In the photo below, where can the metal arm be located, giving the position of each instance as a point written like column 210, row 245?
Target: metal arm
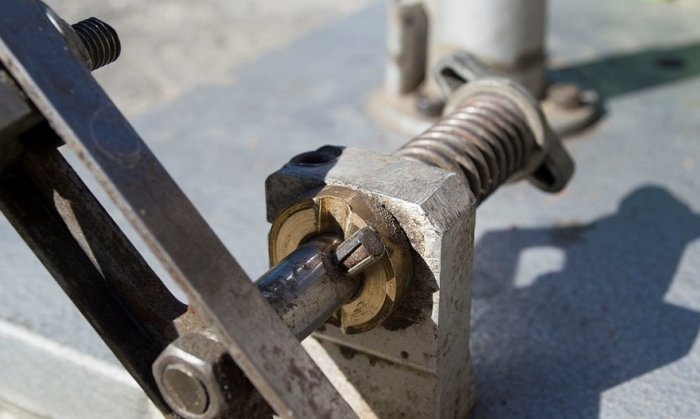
column 342, row 253
column 77, row 109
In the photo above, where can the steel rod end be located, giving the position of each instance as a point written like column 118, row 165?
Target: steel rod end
column 100, row 40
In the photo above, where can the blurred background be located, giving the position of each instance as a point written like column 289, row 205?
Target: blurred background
column 586, row 303
column 174, row 46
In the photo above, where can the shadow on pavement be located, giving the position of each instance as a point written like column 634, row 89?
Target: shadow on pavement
column 551, row 348
column 616, row 75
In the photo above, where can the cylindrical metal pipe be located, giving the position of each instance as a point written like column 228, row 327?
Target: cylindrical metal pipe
column 509, row 35
column 307, row 286
column 407, row 47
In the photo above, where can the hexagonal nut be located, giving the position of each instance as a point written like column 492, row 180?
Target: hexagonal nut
column 199, row 380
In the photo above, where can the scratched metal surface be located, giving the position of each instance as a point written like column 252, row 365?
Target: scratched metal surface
column 586, row 304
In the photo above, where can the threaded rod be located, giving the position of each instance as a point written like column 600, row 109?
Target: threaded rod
column 100, row 40
column 486, row 140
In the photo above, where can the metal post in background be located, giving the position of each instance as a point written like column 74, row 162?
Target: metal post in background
column 508, row 35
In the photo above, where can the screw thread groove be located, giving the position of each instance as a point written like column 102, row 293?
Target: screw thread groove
column 100, row 40
column 486, row 140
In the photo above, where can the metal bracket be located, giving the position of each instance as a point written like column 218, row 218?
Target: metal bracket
column 82, row 115
column 416, row 364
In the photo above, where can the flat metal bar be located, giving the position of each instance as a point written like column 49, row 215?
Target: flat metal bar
column 109, row 250
column 86, row 119
column 44, row 229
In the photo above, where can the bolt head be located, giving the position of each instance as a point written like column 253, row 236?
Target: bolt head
column 197, row 377
column 185, row 390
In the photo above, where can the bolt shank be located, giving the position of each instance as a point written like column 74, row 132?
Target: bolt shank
column 307, row 287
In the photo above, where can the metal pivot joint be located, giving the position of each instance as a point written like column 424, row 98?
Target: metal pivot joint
column 200, row 380
column 192, row 361
column 494, row 131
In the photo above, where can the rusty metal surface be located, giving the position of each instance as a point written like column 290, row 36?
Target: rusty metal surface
column 200, row 380
column 91, row 260
column 341, row 211
column 85, row 118
column 536, row 256
column 307, row 286
column 16, row 115
column 416, row 364
column 494, row 131
column 549, row 166
column 643, row 57
column 486, row 140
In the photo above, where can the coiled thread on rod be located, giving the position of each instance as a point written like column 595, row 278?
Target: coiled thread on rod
column 486, row 140
column 100, row 40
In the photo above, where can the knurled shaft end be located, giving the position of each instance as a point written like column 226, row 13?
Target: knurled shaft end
column 100, row 40
column 360, row 250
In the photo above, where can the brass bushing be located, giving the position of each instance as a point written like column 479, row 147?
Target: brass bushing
column 341, row 211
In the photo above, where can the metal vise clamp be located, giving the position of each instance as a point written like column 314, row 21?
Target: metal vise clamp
column 400, row 346
column 379, row 248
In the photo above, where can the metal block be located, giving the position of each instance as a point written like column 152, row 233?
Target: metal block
column 417, row 363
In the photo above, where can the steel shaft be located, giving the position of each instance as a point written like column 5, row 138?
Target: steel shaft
column 315, row 280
